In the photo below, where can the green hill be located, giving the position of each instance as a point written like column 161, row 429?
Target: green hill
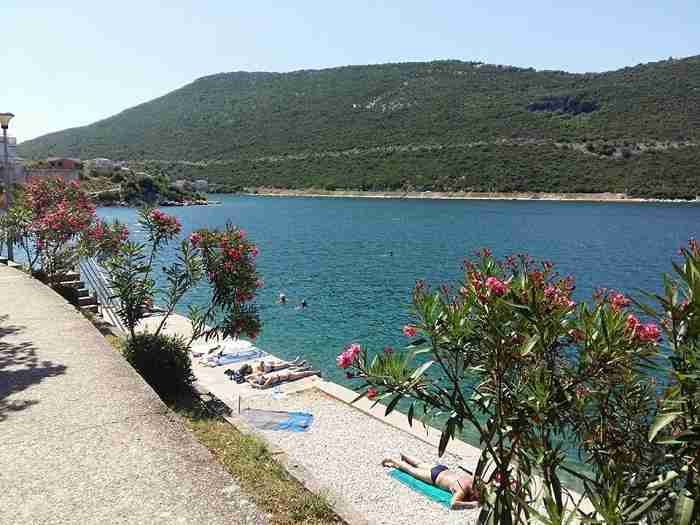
column 445, row 125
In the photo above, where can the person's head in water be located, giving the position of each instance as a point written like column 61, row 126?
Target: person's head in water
column 282, row 298
column 303, row 303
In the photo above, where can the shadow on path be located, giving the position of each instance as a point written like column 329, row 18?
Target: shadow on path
column 20, row 368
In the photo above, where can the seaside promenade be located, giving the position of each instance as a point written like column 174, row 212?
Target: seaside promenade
column 83, row 439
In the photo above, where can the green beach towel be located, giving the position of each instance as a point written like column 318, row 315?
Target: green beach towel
column 432, row 492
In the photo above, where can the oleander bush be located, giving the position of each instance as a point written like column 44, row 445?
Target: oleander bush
column 54, row 223
column 163, row 361
column 221, row 259
column 510, row 354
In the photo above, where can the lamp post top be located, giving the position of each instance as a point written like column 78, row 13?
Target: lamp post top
column 5, row 120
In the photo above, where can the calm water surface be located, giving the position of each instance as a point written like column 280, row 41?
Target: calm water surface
column 356, row 260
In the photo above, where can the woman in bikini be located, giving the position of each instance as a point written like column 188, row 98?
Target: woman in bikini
column 460, row 484
column 264, row 367
column 269, row 380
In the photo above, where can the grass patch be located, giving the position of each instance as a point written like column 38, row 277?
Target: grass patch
column 250, row 462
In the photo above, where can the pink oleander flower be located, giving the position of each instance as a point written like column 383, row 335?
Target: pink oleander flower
column 195, row 238
column 618, row 301
column 344, row 360
column 632, row 323
column 409, row 330
column 371, row 393
column 388, row 350
column 496, row 286
column 354, row 350
column 648, row 332
column 254, row 251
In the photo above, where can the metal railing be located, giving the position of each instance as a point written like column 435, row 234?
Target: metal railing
column 95, row 278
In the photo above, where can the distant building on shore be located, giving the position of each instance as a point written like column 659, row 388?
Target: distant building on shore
column 101, row 164
column 67, row 169
column 201, row 185
column 63, row 163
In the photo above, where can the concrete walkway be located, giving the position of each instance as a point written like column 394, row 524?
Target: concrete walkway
column 83, row 439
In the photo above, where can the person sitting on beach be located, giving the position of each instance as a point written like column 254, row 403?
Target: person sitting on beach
column 459, row 484
column 274, row 378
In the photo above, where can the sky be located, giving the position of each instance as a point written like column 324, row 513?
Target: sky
column 67, row 63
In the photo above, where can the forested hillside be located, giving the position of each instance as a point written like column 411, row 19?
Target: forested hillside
column 440, row 125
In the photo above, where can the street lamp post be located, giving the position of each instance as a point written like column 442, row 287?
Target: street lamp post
column 4, row 123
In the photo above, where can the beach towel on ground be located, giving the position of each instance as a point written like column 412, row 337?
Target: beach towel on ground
column 228, row 358
column 432, row 492
column 278, row 420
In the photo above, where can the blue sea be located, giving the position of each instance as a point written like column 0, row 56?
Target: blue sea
column 355, row 260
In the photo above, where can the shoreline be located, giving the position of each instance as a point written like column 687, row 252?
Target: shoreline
column 443, row 195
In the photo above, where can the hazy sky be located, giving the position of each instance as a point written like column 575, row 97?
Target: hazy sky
column 68, row 66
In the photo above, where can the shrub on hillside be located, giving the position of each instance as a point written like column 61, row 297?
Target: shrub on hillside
column 163, row 361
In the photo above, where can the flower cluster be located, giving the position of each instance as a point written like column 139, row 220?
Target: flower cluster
column 409, row 330
column 346, row 358
column 645, row 333
column 60, row 211
column 618, row 301
column 496, row 286
column 559, row 297
column 104, row 239
column 229, row 265
column 162, row 226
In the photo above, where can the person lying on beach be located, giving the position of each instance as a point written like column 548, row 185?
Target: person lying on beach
column 274, row 378
column 459, row 484
column 272, row 366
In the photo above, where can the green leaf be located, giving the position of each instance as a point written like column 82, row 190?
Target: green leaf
column 639, row 512
column 683, row 512
column 660, row 422
column 421, row 369
column 530, row 345
column 444, row 438
column 392, row 404
column 410, row 414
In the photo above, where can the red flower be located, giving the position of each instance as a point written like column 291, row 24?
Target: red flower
column 371, row 393
column 496, row 287
column 409, row 330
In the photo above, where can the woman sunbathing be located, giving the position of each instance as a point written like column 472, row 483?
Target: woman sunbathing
column 460, row 484
column 272, row 366
column 274, row 378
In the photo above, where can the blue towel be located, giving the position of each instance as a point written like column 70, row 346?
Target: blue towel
column 430, row 491
column 296, row 422
column 227, row 359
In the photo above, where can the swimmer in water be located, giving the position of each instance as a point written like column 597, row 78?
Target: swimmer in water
column 302, row 305
column 282, row 299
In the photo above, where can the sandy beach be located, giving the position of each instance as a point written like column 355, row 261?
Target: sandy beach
column 519, row 196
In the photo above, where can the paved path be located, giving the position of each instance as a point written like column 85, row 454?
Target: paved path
column 83, row 439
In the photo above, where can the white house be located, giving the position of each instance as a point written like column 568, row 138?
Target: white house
column 101, row 164
column 201, row 185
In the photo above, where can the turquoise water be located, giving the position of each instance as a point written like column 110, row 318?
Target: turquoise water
column 337, row 254
column 355, row 261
